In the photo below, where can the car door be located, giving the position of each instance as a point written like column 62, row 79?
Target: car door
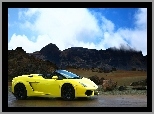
column 53, row 86
column 48, row 85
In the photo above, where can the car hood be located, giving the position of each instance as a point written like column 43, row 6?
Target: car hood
column 87, row 82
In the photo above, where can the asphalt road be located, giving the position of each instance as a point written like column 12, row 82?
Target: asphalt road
column 96, row 101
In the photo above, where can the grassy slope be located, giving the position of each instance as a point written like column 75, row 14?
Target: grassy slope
column 122, row 77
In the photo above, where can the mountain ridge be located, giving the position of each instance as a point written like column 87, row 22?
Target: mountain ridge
column 87, row 58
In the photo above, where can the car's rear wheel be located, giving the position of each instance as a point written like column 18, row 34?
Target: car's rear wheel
column 67, row 92
column 20, row 91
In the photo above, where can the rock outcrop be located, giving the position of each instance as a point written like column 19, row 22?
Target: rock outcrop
column 19, row 63
column 109, row 85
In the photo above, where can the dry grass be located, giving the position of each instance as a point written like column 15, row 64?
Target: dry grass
column 128, row 91
column 120, row 76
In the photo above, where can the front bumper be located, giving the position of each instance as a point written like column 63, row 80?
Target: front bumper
column 86, row 92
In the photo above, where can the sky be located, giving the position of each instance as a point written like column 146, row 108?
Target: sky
column 92, row 28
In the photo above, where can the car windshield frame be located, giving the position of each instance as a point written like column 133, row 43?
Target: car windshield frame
column 68, row 75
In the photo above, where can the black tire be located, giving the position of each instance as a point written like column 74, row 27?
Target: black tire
column 68, row 92
column 20, row 91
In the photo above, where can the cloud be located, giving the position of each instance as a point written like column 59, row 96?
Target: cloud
column 26, row 44
column 141, row 18
column 107, row 25
column 77, row 27
column 64, row 26
column 27, row 25
column 30, row 12
column 136, row 37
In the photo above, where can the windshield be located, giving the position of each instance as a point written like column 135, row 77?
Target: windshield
column 68, row 74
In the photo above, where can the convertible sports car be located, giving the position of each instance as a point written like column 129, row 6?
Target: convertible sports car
column 60, row 83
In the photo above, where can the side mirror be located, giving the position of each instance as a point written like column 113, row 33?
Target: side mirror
column 55, row 77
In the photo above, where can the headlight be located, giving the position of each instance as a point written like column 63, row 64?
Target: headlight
column 83, row 84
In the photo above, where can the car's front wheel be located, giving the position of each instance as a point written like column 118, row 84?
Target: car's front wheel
column 20, row 91
column 67, row 92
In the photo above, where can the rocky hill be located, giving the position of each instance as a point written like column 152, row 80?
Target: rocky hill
column 51, row 53
column 92, row 58
column 19, row 62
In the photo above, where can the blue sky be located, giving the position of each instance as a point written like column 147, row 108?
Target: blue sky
column 93, row 28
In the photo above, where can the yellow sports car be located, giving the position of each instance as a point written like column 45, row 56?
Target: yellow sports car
column 60, row 83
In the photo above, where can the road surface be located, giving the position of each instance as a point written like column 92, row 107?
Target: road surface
column 97, row 101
